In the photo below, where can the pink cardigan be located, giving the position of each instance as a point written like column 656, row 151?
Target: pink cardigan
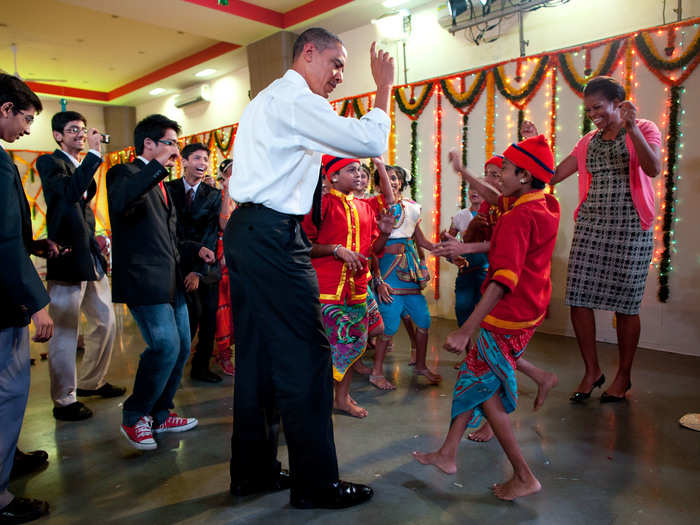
column 641, row 185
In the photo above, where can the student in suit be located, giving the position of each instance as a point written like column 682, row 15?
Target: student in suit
column 76, row 281
column 24, row 298
column 198, row 205
column 147, row 276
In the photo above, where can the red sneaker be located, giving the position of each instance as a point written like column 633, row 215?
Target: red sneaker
column 140, row 436
column 175, row 423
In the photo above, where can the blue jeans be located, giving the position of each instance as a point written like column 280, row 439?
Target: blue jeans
column 14, row 391
column 166, row 330
column 467, row 293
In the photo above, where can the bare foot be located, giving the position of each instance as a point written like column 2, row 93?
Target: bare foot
column 543, row 389
column 351, row 409
column 447, row 465
column 516, row 488
column 484, row 434
column 362, row 368
column 412, row 359
column 381, row 383
column 390, row 347
column 432, row 376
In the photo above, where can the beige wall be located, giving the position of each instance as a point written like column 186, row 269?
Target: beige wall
column 432, row 51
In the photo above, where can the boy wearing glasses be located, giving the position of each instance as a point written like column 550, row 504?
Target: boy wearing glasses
column 77, row 280
column 147, row 277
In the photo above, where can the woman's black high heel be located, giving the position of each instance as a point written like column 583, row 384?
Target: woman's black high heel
column 580, row 397
column 607, row 398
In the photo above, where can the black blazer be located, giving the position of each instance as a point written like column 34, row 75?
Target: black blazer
column 145, row 251
column 22, row 292
column 200, row 223
column 69, row 218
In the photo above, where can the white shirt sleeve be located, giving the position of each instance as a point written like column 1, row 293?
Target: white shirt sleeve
column 321, row 129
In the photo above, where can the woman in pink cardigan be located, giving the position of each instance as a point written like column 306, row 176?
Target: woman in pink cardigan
column 613, row 238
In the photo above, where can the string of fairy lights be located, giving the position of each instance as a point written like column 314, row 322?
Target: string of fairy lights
column 621, row 56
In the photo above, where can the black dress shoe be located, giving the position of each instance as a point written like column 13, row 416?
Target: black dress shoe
column 105, row 391
column 22, row 510
column 26, row 463
column 338, row 495
column 580, row 397
column 607, row 398
column 205, row 375
column 73, row 412
column 248, row 488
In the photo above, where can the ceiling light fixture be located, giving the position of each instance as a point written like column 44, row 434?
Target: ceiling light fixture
column 156, row 91
column 205, row 72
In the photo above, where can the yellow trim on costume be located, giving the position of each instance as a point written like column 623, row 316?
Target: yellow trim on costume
column 528, row 197
column 508, row 274
column 511, row 325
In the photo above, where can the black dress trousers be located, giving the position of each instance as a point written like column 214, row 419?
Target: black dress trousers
column 283, row 358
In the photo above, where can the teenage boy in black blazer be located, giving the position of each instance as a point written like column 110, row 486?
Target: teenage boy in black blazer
column 24, row 298
column 76, row 281
column 198, row 206
column 146, row 275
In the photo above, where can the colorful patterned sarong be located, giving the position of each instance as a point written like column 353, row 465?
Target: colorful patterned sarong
column 374, row 318
column 489, row 369
column 346, row 328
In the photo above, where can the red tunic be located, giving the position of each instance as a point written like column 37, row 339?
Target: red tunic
column 520, row 258
column 350, row 222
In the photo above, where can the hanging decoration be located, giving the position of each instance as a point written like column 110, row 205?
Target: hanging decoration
column 520, row 97
column 437, row 190
column 413, row 108
column 605, row 66
column 686, row 61
column 465, row 144
column 490, row 115
column 669, row 203
column 392, row 132
column 463, row 100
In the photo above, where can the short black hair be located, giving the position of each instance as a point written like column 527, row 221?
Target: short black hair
column 61, row 119
column 191, row 148
column 400, row 174
column 14, row 90
column 319, row 37
column 610, row 88
column 153, row 127
column 536, row 183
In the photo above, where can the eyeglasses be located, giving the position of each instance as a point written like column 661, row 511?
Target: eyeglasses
column 29, row 119
column 168, row 142
column 75, row 130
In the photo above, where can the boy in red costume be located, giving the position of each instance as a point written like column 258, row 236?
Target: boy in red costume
column 341, row 244
column 515, row 298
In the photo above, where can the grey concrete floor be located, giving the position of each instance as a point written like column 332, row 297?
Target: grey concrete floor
column 626, row 463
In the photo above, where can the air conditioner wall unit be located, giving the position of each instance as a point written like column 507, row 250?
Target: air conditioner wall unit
column 192, row 95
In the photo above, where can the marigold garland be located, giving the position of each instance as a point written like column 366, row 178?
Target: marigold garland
column 686, row 62
column 465, row 144
column 490, row 114
column 670, row 187
column 605, row 67
column 438, row 185
column 414, row 158
column 392, row 132
column 521, row 96
column 464, row 101
column 414, row 109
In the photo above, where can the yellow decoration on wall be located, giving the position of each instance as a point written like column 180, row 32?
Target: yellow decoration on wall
column 490, row 114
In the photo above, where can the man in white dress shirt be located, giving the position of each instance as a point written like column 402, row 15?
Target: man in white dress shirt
column 283, row 363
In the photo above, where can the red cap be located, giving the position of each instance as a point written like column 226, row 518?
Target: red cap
column 332, row 164
column 533, row 155
column 496, row 160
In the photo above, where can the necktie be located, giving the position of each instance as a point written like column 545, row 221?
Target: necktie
column 165, row 194
column 189, row 198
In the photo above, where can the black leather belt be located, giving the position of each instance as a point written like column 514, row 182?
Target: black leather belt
column 250, row 205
